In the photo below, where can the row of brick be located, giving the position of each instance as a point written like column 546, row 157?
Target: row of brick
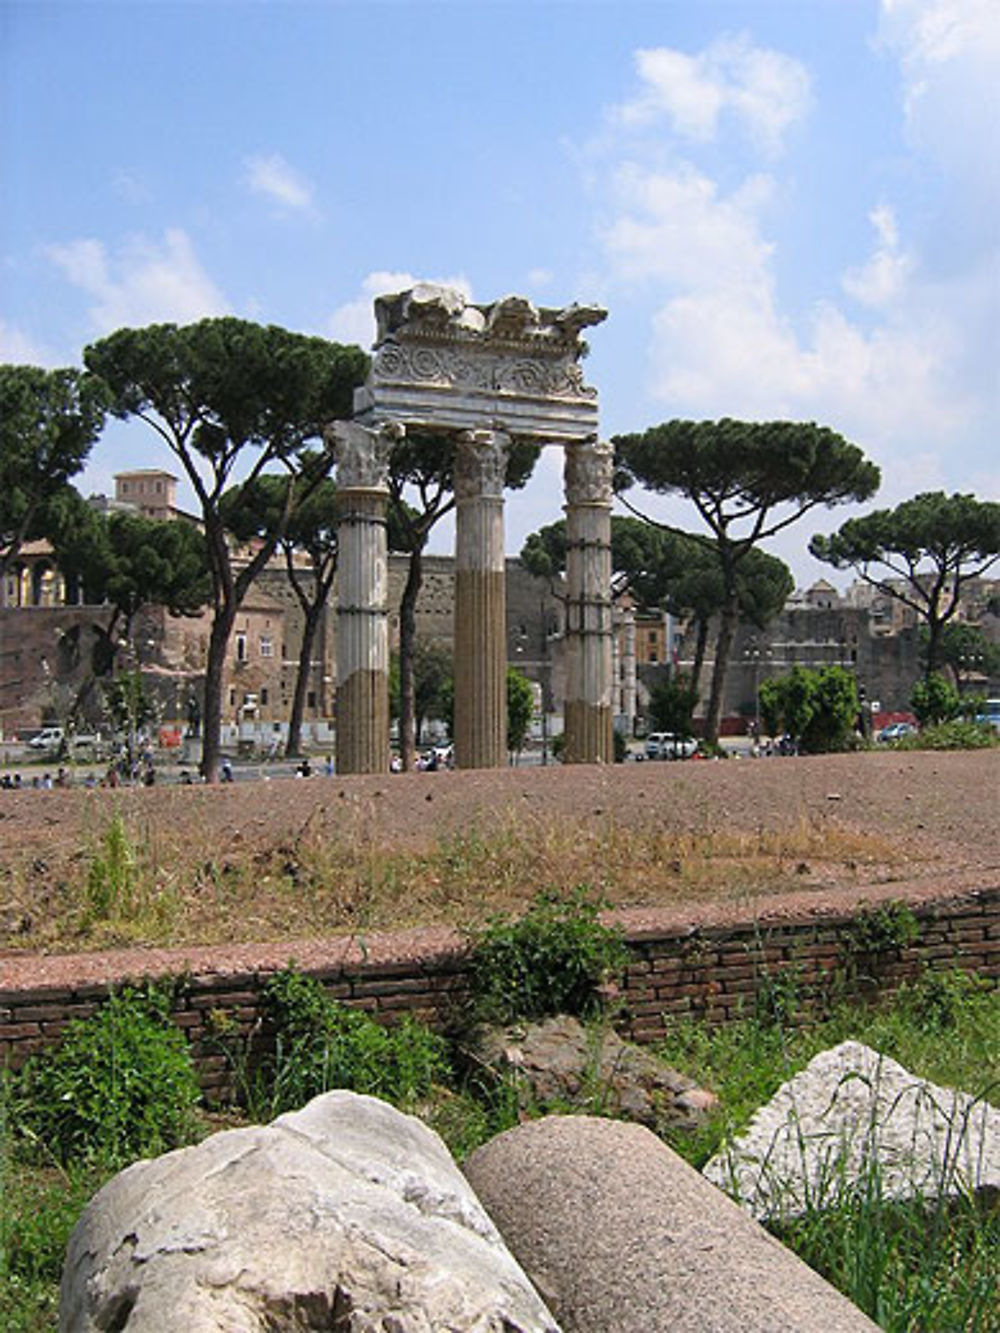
column 716, row 973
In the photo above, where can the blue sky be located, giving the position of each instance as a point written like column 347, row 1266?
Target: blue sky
column 789, row 207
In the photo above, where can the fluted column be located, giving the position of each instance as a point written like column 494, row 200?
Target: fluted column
column 480, row 600
column 588, row 606
column 362, row 595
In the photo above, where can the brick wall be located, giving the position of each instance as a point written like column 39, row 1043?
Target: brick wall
column 714, row 972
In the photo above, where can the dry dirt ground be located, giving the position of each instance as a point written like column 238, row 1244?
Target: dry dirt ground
column 253, row 869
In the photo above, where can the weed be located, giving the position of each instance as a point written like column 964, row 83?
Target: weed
column 551, row 960
column 111, row 876
column 873, row 934
column 120, row 1085
column 778, row 995
column 320, row 1044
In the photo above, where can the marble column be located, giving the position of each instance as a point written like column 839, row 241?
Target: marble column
column 480, row 600
column 362, row 455
column 588, row 604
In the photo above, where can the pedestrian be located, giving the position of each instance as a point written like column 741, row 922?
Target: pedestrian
column 226, row 774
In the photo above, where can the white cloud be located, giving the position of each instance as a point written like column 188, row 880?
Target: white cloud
column 765, row 91
column 882, row 280
column 354, row 321
column 143, row 282
column 19, row 348
column 720, row 344
column 274, row 178
column 949, row 54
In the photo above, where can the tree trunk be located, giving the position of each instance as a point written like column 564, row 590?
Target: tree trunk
column 934, row 627
column 310, row 624
column 723, row 648
column 218, row 643
column 407, row 646
column 700, row 649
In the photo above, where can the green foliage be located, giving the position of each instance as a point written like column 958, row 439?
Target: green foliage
column 49, row 420
column 672, row 704
column 130, row 704
column 880, row 930
column 520, row 709
column 934, row 700
column 552, row 960
column 226, row 395
column 943, row 1001
column 120, row 1085
column 36, row 1222
column 320, row 1045
column 620, row 746
column 748, row 481
column 965, row 649
column 818, row 708
column 770, row 697
column 926, row 550
column 112, row 876
column 957, row 734
column 778, row 996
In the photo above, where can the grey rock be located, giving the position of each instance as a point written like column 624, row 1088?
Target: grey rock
column 560, row 1061
column 619, row 1235
column 849, row 1110
column 346, row 1215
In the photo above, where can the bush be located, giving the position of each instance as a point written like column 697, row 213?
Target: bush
column 552, row 960
column 935, row 700
column 320, row 1045
column 954, row 735
column 120, row 1085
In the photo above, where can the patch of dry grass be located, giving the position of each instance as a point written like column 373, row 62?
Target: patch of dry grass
column 329, row 876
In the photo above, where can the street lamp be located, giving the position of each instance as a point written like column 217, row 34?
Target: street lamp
column 753, row 653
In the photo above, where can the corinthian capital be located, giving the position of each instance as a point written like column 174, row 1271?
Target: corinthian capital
column 589, row 472
column 481, row 464
column 362, row 453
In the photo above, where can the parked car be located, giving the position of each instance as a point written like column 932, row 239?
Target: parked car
column 667, row 745
column 895, row 731
column 51, row 738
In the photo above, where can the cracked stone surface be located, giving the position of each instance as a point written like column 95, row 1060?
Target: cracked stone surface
column 346, row 1215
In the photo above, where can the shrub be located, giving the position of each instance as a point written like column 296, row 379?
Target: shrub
column 957, row 734
column 120, row 1085
column 552, row 960
column 320, row 1044
column 934, row 700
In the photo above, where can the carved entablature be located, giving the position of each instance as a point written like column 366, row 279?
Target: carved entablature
column 589, row 473
column 481, row 464
column 443, row 362
column 362, row 453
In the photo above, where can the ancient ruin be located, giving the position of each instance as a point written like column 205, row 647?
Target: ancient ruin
column 488, row 375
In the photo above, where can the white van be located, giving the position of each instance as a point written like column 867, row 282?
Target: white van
column 665, row 745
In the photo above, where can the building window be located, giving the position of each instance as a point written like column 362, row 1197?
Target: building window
column 266, row 646
column 311, row 701
column 263, row 694
column 232, row 698
column 241, row 647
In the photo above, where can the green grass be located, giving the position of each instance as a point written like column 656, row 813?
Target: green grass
column 921, row 1265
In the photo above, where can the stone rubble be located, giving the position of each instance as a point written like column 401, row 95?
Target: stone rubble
column 848, row 1110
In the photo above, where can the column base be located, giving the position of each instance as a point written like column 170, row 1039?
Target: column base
column 589, row 733
column 363, row 723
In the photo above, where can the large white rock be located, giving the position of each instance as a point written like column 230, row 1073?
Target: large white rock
column 346, row 1215
column 852, row 1110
